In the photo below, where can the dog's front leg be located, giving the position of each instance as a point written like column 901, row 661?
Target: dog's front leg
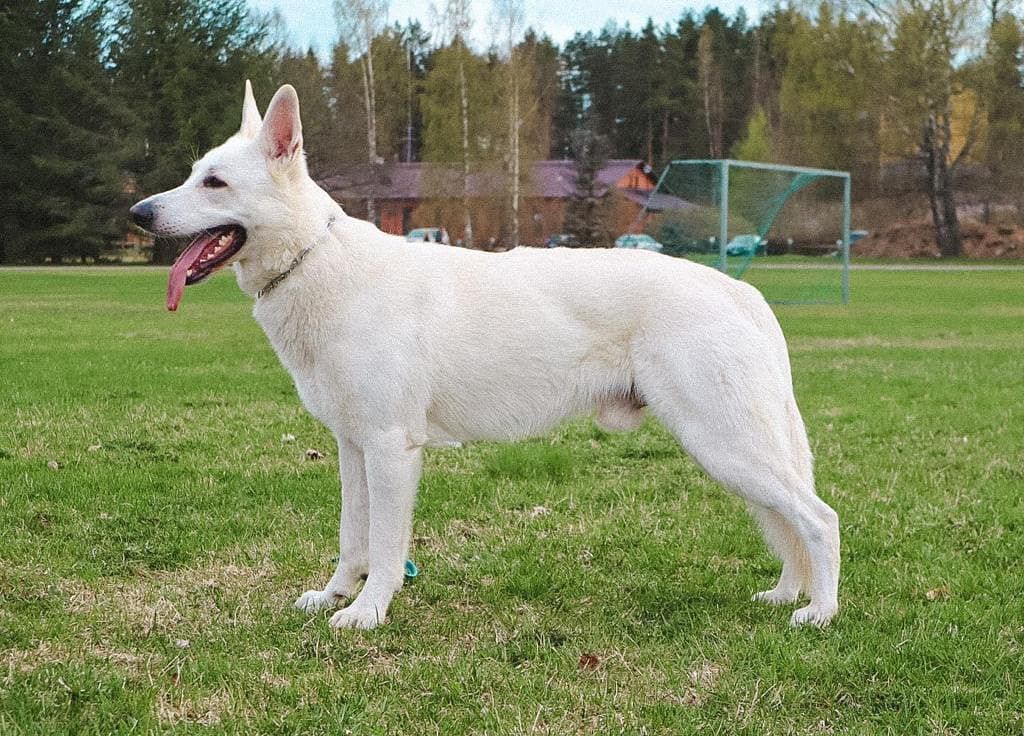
column 352, row 534
column 393, row 466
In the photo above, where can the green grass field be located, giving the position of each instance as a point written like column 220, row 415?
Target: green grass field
column 155, row 529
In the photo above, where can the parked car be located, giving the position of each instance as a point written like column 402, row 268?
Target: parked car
column 745, row 245
column 562, row 240
column 427, row 235
column 640, row 240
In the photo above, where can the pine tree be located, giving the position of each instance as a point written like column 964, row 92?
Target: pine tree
column 307, row 75
column 585, row 216
column 345, row 88
column 681, row 118
column 61, row 184
column 1004, row 92
column 394, row 76
column 181, row 65
column 756, row 144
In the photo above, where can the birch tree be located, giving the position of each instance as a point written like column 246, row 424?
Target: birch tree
column 415, row 44
column 359, row 23
column 928, row 42
column 456, row 21
column 711, row 90
column 508, row 17
column 829, row 102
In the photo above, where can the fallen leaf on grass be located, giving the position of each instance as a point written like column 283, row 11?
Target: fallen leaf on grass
column 589, row 661
column 937, row 594
column 312, row 454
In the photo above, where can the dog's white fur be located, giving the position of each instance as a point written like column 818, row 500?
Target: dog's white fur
column 394, row 347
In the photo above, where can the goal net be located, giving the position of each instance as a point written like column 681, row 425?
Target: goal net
column 786, row 229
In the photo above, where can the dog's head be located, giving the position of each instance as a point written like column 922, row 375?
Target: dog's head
column 233, row 192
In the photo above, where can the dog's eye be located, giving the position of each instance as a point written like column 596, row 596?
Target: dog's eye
column 214, row 182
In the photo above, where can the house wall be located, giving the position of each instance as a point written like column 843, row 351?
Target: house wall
column 448, row 213
column 625, row 216
column 401, row 208
column 539, row 217
column 396, row 215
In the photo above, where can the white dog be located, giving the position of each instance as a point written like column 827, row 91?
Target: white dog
column 396, row 347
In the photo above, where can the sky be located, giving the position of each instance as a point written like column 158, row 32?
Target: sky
column 311, row 22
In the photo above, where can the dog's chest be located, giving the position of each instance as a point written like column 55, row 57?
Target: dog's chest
column 300, row 340
column 320, row 400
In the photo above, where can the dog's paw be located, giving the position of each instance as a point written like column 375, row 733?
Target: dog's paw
column 816, row 614
column 776, row 596
column 358, row 616
column 316, row 600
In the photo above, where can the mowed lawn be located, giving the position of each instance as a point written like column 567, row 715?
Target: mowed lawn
column 156, row 524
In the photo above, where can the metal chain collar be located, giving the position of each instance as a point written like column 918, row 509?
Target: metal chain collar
column 272, row 284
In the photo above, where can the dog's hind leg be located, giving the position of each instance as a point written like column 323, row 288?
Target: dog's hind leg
column 824, row 567
column 740, row 428
column 393, row 467
column 780, row 534
column 798, row 526
column 352, row 534
column 784, row 542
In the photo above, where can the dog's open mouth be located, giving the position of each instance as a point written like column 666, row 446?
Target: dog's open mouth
column 207, row 253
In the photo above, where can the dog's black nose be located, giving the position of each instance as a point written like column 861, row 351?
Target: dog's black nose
column 142, row 214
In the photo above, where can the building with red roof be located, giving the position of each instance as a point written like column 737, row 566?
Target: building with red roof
column 410, row 195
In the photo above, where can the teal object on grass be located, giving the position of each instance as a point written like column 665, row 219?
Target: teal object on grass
column 411, row 571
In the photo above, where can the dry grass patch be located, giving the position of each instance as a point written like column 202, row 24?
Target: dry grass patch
column 47, row 653
column 703, row 680
column 173, row 707
column 188, row 598
column 825, row 344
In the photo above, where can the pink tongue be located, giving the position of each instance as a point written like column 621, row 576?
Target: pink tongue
column 179, row 271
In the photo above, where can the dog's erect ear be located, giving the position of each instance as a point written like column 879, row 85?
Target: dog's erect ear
column 281, row 136
column 251, row 120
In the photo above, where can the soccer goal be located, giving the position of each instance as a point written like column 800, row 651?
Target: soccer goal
column 786, row 229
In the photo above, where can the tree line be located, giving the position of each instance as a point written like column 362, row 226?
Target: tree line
column 102, row 101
